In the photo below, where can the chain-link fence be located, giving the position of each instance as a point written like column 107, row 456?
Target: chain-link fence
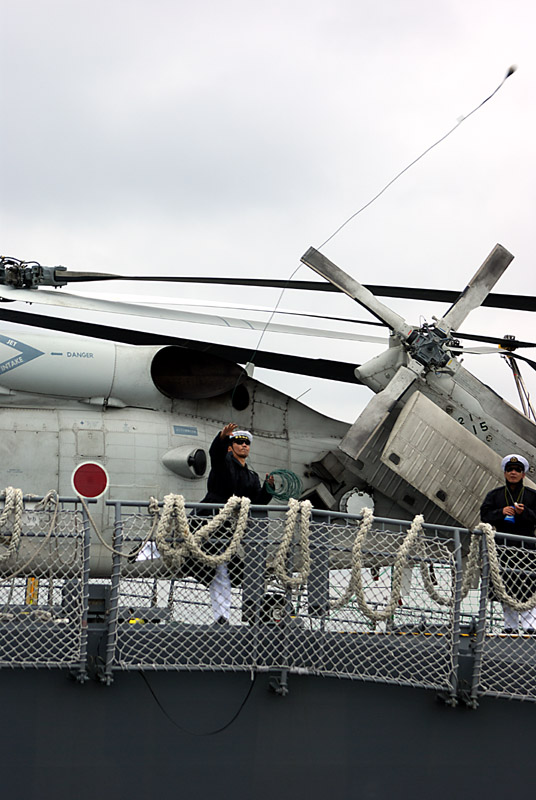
column 44, row 569
column 506, row 656
column 287, row 590
column 300, row 597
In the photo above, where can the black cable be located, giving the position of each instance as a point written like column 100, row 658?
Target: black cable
column 442, row 139
column 198, row 733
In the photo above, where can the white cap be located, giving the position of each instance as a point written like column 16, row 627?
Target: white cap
column 514, row 459
column 245, row 434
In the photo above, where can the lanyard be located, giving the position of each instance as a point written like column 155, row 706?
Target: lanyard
column 508, row 492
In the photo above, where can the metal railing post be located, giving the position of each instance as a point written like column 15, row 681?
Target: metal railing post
column 255, row 548
column 456, row 617
column 82, row 673
column 318, row 583
column 114, row 594
column 481, row 623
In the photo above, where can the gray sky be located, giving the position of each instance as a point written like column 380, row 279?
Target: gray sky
column 226, row 138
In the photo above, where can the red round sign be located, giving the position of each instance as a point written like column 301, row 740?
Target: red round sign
column 90, row 480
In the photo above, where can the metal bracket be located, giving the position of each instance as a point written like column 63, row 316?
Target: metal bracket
column 79, row 675
column 278, row 684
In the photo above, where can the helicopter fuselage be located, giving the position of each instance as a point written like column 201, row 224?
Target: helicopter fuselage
column 65, row 402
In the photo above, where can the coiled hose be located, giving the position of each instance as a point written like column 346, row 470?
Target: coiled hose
column 286, row 485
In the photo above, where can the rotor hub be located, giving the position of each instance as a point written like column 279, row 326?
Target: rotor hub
column 429, row 347
column 28, row 274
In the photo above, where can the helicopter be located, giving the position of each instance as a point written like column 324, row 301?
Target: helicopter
column 112, row 413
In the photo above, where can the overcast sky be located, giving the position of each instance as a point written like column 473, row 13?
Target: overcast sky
column 215, row 138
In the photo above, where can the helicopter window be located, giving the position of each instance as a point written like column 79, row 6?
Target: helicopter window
column 240, row 398
column 184, row 374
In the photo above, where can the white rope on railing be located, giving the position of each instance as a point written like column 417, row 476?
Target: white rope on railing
column 431, row 588
column 472, row 567
column 50, row 499
column 495, row 574
column 14, row 504
column 355, row 585
column 471, row 570
column 173, row 519
column 100, row 537
column 13, row 508
column 297, row 510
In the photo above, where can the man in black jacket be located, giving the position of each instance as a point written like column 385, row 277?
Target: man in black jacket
column 512, row 509
column 230, row 475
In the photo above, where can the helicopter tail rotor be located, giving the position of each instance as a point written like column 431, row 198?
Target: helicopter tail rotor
column 427, row 350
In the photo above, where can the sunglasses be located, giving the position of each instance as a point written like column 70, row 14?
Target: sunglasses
column 241, row 440
column 514, row 468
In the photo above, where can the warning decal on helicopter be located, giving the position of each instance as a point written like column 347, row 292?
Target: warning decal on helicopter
column 185, row 430
column 25, row 352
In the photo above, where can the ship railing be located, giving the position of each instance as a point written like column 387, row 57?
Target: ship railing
column 44, row 580
column 505, row 635
column 391, row 610
column 292, row 610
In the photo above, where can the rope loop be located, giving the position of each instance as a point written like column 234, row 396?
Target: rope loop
column 14, row 505
column 355, row 584
column 473, row 565
column 298, row 511
column 174, row 539
column 13, row 509
column 496, row 577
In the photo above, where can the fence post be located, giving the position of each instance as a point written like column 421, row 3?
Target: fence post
column 82, row 671
column 456, row 617
column 114, row 594
column 481, row 624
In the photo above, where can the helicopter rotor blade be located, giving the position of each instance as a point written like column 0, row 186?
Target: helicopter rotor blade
column 513, row 302
column 377, row 409
column 30, row 274
column 331, row 272
column 279, row 362
column 478, row 351
column 477, row 289
column 474, row 351
column 66, row 300
column 504, row 343
column 187, row 304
